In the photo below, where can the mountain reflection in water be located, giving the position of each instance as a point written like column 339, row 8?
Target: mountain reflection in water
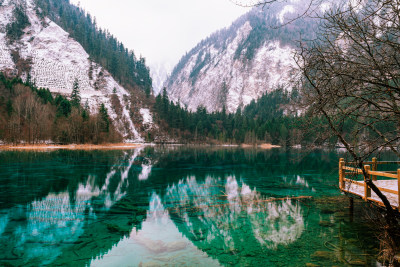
column 158, row 206
column 224, row 209
column 36, row 230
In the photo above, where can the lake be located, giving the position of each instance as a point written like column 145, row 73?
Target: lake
column 178, row 206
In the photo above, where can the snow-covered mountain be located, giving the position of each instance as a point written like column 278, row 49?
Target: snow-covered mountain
column 53, row 60
column 238, row 64
column 159, row 73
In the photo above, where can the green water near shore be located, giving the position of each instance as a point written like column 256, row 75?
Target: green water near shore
column 178, row 206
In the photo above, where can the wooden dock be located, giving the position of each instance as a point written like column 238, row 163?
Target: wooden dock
column 351, row 180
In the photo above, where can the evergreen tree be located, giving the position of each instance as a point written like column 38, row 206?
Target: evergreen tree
column 104, row 119
column 147, row 91
column 75, row 95
column 14, row 30
column 64, row 107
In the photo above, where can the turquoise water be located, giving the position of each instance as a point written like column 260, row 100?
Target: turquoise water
column 178, row 206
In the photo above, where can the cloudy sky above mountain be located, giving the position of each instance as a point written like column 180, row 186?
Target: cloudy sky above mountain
column 162, row 31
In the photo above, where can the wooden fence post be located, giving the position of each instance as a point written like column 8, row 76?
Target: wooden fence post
column 367, row 189
column 341, row 174
column 398, row 189
column 374, row 168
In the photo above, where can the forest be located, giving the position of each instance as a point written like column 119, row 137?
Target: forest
column 33, row 115
column 270, row 119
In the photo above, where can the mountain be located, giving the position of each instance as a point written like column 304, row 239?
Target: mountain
column 53, row 44
column 238, row 64
column 159, row 73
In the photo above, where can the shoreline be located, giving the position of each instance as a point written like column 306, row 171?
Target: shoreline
column 117, row 146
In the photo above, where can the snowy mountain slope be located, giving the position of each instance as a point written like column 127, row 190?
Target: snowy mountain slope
column 240, row 63
column 159, row 73
column 53, row 60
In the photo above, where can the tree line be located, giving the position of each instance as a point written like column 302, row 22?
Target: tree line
column 267, row 120
column 33, row 115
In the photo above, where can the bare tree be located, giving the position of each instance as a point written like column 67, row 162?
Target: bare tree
column 352, row 79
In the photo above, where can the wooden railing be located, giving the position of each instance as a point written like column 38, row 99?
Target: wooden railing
column 371, row 170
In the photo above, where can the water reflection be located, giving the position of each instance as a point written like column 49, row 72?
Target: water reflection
column 157, row 242
column 217, row 212
column 42, row 229
column 162, row 207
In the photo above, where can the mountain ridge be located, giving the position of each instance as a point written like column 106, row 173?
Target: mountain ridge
column 240, row 63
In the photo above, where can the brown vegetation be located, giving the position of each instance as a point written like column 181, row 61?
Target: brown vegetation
column 114, row 146
column 26, row 116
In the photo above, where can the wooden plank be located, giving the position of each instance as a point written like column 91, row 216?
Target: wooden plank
column 354, row 182
column 388, row 190
column 378, row 162
column 352, row 173
column 384, row 174
column 354, row 170
column 365, row 162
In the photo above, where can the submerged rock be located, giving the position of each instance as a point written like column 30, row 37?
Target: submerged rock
column 322, row 255
column 358, row 263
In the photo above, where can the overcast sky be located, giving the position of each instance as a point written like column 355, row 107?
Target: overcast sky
column 162, row 30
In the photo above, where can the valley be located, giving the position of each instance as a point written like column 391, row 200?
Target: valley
column 224, row 156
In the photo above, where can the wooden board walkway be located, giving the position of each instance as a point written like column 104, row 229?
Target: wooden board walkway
column 351, row 180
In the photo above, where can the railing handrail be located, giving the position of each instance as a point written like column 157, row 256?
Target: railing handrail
column 375, row 173
column 371, row 172
column 377, row 162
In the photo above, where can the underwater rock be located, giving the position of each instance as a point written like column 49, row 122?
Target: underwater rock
column 322, row 255
column 309, row 264
column 358, row 263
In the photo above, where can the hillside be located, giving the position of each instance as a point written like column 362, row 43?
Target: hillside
column 53, row 43
column 240, row 63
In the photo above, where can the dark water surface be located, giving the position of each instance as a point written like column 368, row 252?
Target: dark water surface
column 177, row 206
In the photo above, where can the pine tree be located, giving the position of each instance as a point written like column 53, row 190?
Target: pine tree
column 75, row 95
column 104, row 118
column 85, row 111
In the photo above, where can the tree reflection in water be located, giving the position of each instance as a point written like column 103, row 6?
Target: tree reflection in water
column 226, row 214
column 119, row 208
column 43, row 228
